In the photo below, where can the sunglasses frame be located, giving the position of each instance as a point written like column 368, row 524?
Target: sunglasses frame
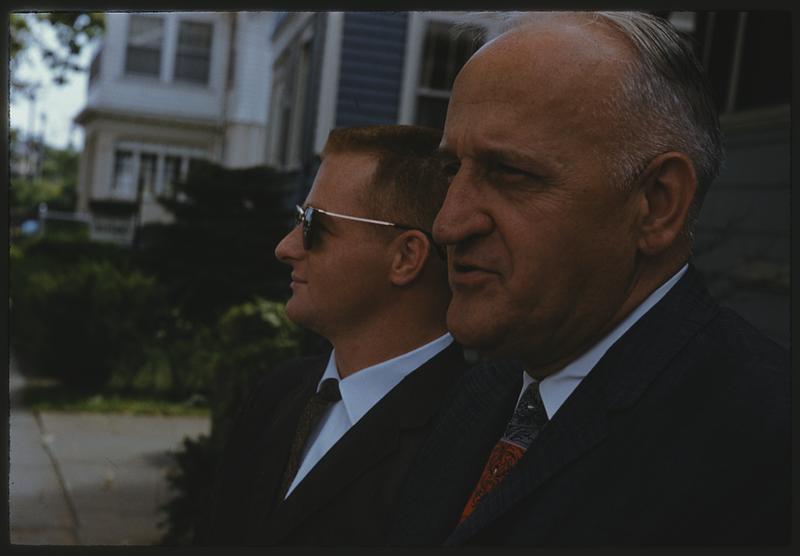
column 305, row 215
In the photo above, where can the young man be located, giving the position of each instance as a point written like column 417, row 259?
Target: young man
column 646, row 414
column 318, row 454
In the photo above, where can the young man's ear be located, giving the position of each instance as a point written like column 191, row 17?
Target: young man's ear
column 409, row 251
column 667, row 189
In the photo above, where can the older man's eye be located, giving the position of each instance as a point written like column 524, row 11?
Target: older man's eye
column 504, row 171
column 450, row 169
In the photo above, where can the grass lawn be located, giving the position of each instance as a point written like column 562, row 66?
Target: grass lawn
column 43, row 395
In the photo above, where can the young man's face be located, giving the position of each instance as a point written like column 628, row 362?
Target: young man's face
column 338, row 284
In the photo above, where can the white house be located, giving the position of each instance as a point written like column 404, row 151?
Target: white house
column 166, row 88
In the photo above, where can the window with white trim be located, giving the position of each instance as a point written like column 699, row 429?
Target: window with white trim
column 193, row 58
column 290, row 82
column 446, row 48
column 124, row 174
column 747, row 55
column 94, row 67
column 145, row 41
column 152, row 170
column 147, row 174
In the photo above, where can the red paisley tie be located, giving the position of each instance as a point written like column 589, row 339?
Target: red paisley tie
column 528, row 419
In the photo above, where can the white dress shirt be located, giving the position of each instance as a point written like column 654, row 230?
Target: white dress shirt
column 360, row 391
column 556, row 388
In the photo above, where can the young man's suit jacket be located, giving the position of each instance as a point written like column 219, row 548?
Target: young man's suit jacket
column 679, row 435
column 349, row 496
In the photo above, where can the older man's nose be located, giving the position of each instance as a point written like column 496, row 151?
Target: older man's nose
column 461, row 215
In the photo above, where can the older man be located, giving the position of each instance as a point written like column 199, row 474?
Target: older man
column 643, row 413
column 319, row 453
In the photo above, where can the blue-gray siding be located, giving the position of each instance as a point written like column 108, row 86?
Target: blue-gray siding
column 371, row 70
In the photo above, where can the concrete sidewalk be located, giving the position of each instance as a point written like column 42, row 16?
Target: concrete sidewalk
column 89, row 479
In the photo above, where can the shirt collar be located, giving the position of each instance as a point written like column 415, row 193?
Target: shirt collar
column 364, row 388
column 556, row 388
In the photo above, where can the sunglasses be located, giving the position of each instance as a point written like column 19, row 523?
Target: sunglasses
column 305, row 216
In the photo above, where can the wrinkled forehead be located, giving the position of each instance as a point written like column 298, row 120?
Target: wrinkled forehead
column 543, row 88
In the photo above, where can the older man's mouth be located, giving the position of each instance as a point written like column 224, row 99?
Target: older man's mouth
column 467, row 274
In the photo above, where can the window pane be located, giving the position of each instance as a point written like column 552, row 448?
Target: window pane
column 123, row 173
column 766, row 65
column 431, row 112
column 720, row 54
column 145, row 36
column 94, row 67
column 172, row 174
column 445, row 50
column 146, row 30
column 147, row 174
column 145, row 61
column 286, row 120
column 194, row 52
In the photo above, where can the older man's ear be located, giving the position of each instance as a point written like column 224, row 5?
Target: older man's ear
column 667, row 188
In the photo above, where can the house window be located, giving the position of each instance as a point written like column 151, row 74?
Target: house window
column 172, row 175
column 291, row 74
column 150, row 170
column 147, row 174
column 145, row 39
column 124, row 174
column 747, row 56
column 94, row 67
column 445, row 50
column 765, row 69
column 194, row 52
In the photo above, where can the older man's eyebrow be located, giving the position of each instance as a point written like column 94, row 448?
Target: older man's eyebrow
column 504, row 155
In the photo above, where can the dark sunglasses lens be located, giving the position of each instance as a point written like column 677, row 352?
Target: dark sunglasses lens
column 308, row 238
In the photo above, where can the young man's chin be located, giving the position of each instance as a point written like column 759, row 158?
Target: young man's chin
column 294, row 310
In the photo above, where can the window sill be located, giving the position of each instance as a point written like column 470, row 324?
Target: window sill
column 734, row 123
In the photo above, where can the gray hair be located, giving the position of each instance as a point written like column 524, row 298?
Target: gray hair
column 665, row 101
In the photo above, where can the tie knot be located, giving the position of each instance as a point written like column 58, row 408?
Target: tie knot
column 528, row 419
column 329, row 390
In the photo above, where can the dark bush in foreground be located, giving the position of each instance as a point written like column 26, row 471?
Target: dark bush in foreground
column 195, row 464
column 253, row 338
column 78, row 321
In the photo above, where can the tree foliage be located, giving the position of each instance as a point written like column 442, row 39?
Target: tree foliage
column 74, row 31
column 220, row 249
column 56, row 186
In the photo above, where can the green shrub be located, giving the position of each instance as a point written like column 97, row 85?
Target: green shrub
column 254, row 337
column 218, row 250
column 79, row 322
column 53, row 251
column 178, row 363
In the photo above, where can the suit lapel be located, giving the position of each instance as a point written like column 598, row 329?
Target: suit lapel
column 574, row 430
column 616, row 383
column 410, row 404
column 451, row 460
column 274, row 446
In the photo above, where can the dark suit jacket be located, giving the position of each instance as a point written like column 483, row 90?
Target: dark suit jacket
column 679, row 435
column 348, row 497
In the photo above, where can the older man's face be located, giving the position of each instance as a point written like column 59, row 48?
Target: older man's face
column 542, row 245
